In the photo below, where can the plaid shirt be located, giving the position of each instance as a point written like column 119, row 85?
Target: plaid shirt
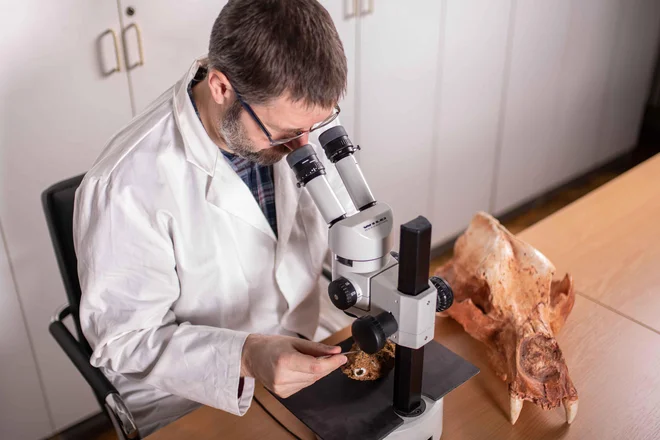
column 258, row 178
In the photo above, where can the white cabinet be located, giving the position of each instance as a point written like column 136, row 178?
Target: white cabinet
column 345, row 16
column 529, row 135
column 581, row 82
column 172, row 33
column 471, row 79
column 396, row 93
column 58, row 110
column 23, row 412
column 629, row 76
column 578, row 81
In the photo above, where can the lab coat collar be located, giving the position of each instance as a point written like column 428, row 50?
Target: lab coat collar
column 226, row 190
column 200, row 150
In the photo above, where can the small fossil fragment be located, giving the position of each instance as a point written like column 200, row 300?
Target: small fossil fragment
column 363, row 366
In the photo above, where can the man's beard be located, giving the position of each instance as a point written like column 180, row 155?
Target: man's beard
column 234, row 135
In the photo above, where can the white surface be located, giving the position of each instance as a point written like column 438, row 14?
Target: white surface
column 23, row 413
column 472, row 68
column 580, row 74
column 529, row 135
column 346, row 28
column 581, row 89
column 629, row 76
column 396, row 87
column 426, row 426
column 57, row 110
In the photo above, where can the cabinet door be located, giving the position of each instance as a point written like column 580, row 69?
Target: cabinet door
column 581, row 87
column 23, row 412
column 343, row 14
column 396, row 91
column 471, row 78
column 58, row 110
column 173, row 33
column 529, row 133
column 634, row 53
column 579, row 77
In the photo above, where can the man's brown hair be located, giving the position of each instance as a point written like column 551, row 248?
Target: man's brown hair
column 269, row 47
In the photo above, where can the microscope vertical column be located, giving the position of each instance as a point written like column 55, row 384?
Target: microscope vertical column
column 414, row 259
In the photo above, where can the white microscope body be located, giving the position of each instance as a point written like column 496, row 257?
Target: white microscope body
column 389, row 294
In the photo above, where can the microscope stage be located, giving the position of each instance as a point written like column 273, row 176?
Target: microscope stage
column 337, row 407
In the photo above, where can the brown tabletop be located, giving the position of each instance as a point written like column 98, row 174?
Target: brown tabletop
column 610, row 242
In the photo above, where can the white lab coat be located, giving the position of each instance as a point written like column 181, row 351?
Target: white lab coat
column 177, row 263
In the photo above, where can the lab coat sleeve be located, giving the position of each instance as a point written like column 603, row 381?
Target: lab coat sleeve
column 128, row 277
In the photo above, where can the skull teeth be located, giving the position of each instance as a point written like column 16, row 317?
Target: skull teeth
column 571, row 408
column 515, row 407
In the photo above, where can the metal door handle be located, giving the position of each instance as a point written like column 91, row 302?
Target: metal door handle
column 370, row 8
column 138, row 33
column 115, row 41
column 354, row 9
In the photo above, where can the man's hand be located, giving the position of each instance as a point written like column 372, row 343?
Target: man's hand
column 286, row 365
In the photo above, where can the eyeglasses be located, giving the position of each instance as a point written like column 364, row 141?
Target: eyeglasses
column 276, row 142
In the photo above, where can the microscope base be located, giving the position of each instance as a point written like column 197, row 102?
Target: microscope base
column 339, row 408
column 423, row 427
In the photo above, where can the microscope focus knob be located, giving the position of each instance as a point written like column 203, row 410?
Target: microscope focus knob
column 371, row 332
column 343, row 293
column 445, row 294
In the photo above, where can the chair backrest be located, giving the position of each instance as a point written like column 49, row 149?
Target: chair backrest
column 58, row 206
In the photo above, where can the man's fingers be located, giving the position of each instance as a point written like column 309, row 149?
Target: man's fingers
column 299, row 362
column 312, row 365
column 315, row 348
column 288, row 378
column 332, row 363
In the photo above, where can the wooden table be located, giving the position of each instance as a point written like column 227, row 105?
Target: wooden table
column 610, row 242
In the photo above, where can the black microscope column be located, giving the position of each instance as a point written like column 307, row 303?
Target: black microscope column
column 414, row 260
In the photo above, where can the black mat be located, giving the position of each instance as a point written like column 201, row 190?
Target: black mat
column 339, row 408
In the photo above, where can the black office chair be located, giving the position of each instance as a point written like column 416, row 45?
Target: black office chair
column 58, row 207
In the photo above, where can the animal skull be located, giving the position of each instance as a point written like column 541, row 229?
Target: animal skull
column 505, row 297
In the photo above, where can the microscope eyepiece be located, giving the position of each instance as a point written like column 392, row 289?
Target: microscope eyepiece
column 305, row 164
column 336, row 143
column 339, row 150
column 310, row 173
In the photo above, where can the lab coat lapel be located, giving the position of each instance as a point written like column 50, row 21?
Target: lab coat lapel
column 287, row 195
column 225, row 189
column 228, row 192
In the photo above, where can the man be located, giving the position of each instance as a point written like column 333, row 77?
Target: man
column 198, row 255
